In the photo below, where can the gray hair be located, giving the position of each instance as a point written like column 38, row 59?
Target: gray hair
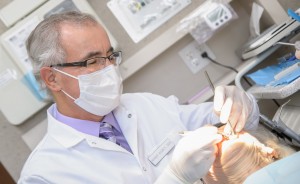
column 43, row 44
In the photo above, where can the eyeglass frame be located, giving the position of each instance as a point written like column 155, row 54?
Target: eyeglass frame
column 84, row 63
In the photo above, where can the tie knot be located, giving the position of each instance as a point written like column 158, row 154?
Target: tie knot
column 106, row 132
column 105, row 125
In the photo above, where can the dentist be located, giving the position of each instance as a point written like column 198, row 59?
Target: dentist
column 96, row 134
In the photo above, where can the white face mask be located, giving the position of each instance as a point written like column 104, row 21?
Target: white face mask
column 100, row 91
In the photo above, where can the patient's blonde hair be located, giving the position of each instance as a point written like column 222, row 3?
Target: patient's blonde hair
column 246, row 155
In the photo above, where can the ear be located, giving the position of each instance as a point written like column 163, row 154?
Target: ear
column 48, row 76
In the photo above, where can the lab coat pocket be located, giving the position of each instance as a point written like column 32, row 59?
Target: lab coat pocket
column 164, row 147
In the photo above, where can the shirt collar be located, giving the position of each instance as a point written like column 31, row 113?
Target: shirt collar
column 85, row 126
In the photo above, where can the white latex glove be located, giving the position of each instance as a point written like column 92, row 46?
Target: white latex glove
column 194, row 154
column 233, row 104
column 297, row 47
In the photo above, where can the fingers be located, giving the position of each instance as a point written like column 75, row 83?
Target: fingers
column 227, row 129
column 224, row 103
column 226, row 110
column 206, row 130
column 230, row 112
column 219, row 98
column 241, row 121
column 204, row 137
column 216, row 139
column 209, row 133
column 232, row 104
column 208, row 155
column 195, row 153
column 240, row 113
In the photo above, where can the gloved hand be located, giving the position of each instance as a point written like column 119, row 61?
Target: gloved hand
column 233, row 104
column 297, row 54
column 194, row 154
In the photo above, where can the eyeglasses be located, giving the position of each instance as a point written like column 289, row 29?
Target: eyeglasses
column 115, row 58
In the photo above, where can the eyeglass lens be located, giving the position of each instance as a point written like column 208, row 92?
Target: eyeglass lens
column 114, row 58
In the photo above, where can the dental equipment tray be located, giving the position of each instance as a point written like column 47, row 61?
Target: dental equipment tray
column 269, row 38
column 275, row 92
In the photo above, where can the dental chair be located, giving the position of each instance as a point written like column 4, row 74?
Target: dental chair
column 284, row 171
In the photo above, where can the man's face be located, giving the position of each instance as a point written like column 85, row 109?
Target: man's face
column 81, row 43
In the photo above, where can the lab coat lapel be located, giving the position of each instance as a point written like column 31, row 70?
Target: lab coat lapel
column 69, row 137
column 103, row 144
column 128, row 123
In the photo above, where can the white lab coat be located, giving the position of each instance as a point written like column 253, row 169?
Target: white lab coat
column 150, row 124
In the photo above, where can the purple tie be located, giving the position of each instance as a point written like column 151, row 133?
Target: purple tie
column 106, row 132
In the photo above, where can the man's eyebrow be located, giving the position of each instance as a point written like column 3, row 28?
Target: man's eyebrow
column 91, row 54
column 111, row 49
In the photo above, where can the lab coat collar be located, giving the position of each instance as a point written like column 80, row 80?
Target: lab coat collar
column 58, row 130
column 69, row 137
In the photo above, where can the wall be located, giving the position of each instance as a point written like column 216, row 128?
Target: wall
column 165, row 75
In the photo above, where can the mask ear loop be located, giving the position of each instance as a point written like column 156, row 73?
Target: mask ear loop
column 68, row 95
column 69, row 75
